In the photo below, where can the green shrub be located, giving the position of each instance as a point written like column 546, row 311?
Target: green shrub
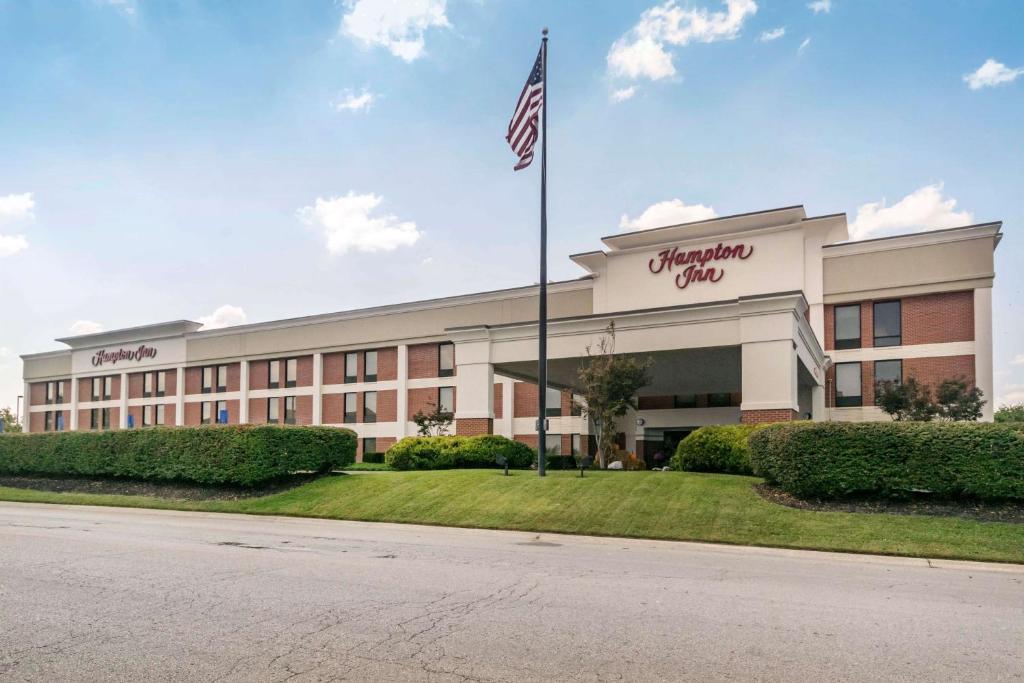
column 240, row 455
column 718, row 448
column 557, row 462
column 373, row 457
column 446, row 452
column 892, row 459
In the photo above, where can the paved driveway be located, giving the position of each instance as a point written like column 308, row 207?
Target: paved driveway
column 130, row 595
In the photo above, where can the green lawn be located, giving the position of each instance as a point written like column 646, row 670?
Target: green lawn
column 663, row 505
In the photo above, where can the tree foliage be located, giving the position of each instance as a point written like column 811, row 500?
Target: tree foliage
column 912, row 401
column 434, row 422
column 1010, row 413
column 608, row 386
column 10, row 420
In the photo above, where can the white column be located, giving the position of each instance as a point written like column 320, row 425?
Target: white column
column 474, row 380
column 179, row 407
column 123, row 421
column 983, row 350
column 25, row 408
column 243, row 400
column 74, row 403
column 818, row 403
column 505, row 426
column 402, row 400
column 318, row 388
column 769, row 371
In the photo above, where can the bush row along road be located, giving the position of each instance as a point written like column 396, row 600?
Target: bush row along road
column 127, row 595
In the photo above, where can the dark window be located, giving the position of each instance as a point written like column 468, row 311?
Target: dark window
column 445, row 359
column 274, row 374
column 161, row 411
column 273, row 411
column 48, row 421
column 206, row 413
column 291, row 372
column 847, row 320
column 94, row 419
column 370, row 406
column 59, row 389
column 105, row 418
column 147, row 384
column 108, row 388
column 848, row 392
column 553, row 403
column 370, row 366
column 222, row 378
column 289, row 410
column 446, row 399
column 553, row 444
column 161, row 383
column 350, row 409
column 221, row 414
column 719, row 400
column 887, row 372
column 351, row 367
column 684, row 401
column 888, row 330
column 575, row 409
column 369, row 446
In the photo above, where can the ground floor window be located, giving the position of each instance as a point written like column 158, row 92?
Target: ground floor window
column 273, row 410
column 446, row 399
column 289, row 410
column 887, row 372
column 147, row 416
column 848, row 392
column 369, row 445
column 161, row 412
column 553, row 444
column 206, row 413
column 576, row 444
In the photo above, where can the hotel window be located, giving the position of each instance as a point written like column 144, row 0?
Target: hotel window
column 108, row 388
column 684, row 401
column 147, row 384
column 147, row 416
column 350, row 409
column 553, row 444
column 575, row 444
column 369, row 446
column 94, row 418
column 370, row 406
column 887, row 323
column 575, row 406
column 97, row 388
column 887, row 372
column 222, row 378
column 848, row 385
column 289, row 410
column 221, row 412
column 59, row 390
column 370, row 366
column 161, row 382
column 719, row 400
column 291, row 372
column 553, row 403
column 207, row 380
column 273, row 410
column 351, row 367
column 51, row 392
column 105, row 418
column 847, row 320
column 445, row 359
column 161, row 414
column 48, row 421
column 273, row 374
column 446, row 399
column 206, row 413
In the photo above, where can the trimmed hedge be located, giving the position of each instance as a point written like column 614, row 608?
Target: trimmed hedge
column 239, row 455
column 373, row 458
column 892, row 459
column 717, row 448
column 446, row 452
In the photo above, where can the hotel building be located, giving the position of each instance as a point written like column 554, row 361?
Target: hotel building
column 750, row 318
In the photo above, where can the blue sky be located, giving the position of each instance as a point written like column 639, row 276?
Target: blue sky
column 166, row 160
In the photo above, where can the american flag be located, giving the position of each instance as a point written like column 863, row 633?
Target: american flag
column 523, row 128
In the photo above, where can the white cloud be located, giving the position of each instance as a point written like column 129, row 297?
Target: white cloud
column 12, row 244
column 991, row 74
column 85, row 327
column 803, row 46
column 125, row 7
column 774, row 34
column 641, row 52
column 623, row 94
column 1011, row 394
column 398, row 25
column 347, row 224
column 819, row 6
column 671, row 212
column 225, row 316
column 921, row 210
column 350, row 101
column 1018, row 359
column 15, row 208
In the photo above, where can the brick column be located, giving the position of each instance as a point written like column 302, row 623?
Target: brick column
column 751, row 417
column 474, row 426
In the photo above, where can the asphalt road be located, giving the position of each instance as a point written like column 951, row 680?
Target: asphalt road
column 133, row 595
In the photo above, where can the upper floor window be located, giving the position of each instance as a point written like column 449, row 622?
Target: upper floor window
column 154, row 384
column 273, row 410
column 446, row 399
column 370, row 406
column 847, row 319
column 445, row 359
column 720, row 400
column 291, row 372
column 222, row 378
column 370, row 366
column 161, row 383
column 97, row 388
column 147, row 386
column 51, row 392
column 274, row 374
column 108, row 388
column 888, row 328
column 848, row 392
column 289, row 410
column 351, row 367
column 552, row 402
column 207, row 380
column 576, row 405
column 350, row 409
column 684, row 401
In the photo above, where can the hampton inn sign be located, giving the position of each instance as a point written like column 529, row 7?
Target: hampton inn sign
column 799, row 323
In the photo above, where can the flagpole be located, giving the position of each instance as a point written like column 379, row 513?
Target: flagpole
column 542, row 319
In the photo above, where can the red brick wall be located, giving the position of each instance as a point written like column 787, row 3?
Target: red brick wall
column 766, row 416
column 303, row 410
column 498, row 398
column 303, row 373
column 135, row 412
column 932, row 371
column 938, row 318
column 85, row 389
column 37, row 397
column 387, row 405
column 170, row 411
column 524, row 399
column 234, row 377
column 193, row 382
column 529, row 439
column 655, row 402
column 333, row 409
column 334, row 368
column 193, row 414
column 423, row 361
column 135, row 383
column 35, row 422
column 473, row 426
column 259, row 374
column 171, row 383
column 387, row 366
column 419, row 400
column 257, row 411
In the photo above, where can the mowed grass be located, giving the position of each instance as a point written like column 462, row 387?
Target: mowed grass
column 660, row 505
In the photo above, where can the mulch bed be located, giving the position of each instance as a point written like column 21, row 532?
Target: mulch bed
column 974, row 510
column 168, row 490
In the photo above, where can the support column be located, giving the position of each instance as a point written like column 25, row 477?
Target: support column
column 818, row 403
column 318, row 388
column 74, row 404
column 474, row 388
column 179, row 403
column 770, row 389
column 122, row 420
column 243, row 386
column 402, row 399
column 983, row 350
column 506, row 424
column 26, row 413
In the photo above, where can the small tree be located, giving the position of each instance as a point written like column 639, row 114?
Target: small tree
column 9, row 420
column 434, row 422
column 958, row 403
column 608, row 386
column 907, row 401
column 1010, row 413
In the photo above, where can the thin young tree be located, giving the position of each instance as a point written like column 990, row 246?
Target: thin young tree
column 433, row 422
column 608, row 386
